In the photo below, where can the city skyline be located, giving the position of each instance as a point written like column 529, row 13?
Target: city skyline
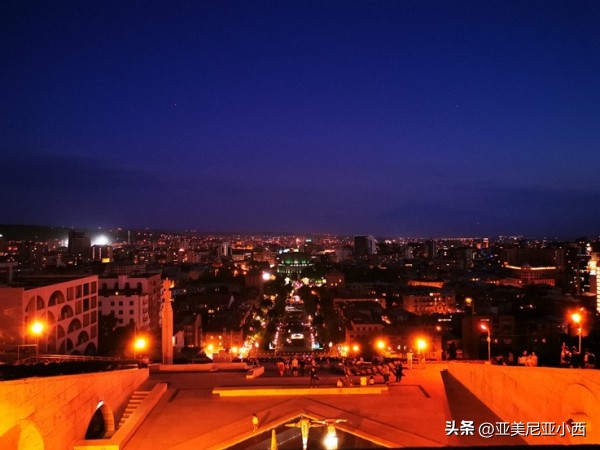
column 385, row 118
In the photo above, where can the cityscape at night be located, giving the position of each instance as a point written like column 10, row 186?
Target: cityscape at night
column 299, row 225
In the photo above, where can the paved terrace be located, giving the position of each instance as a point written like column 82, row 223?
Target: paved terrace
column 413, row 413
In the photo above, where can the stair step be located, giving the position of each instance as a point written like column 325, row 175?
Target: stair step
column 134, row 401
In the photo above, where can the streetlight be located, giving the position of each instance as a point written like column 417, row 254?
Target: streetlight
column 421, row 345
column 484, row 327
column 139, row 345
column 577, row 318
column 37, row 328
column 470, row 302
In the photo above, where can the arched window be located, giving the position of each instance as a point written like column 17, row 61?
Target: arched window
column 82, row 338
column 74, row 325
column 56, row 298
column 66, row 312
column 90, row 349
column 35, row 303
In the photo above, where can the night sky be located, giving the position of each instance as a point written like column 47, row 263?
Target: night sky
column 395, row 118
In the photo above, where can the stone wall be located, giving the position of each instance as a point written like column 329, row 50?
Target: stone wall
column 55, row 412
column 537, row 394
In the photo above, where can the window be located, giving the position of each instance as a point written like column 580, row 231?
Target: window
column 131, row 303
column 94, row 287
column 112, row 303
column 78, row 307
column 79, row 291
column 121, row 313
column 86, row 304
column 70, row 293
column 131, row 312
column 86, row 289
column 120, row 303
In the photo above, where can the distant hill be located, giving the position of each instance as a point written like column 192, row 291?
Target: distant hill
column 33, row 232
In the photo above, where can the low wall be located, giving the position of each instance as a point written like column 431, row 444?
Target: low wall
column 255, row 372
column 537, row 394
column 55, row 412
column 265, row 391
column 211, row 367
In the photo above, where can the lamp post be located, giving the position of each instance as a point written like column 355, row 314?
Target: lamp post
column 37, row 328
column 577, row 318
column 470, row 302
column 485, row 327
column 139, row 345
column 421, row 345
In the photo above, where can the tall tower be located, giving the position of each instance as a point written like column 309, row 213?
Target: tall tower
column 167, row 324
column 594, row 267
column 80, row 245
column 365, row 245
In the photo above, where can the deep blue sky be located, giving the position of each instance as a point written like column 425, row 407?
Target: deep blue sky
column 398, row 118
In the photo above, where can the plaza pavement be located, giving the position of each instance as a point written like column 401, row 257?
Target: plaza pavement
column 412, row 413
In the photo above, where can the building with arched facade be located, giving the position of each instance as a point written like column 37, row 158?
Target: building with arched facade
column 66, row 308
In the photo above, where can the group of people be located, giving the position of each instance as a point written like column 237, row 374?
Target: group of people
column 387, row 371
column 573, row 358
column 296, row 365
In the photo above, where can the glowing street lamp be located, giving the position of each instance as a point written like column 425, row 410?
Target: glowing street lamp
column 380, row 344
column 485, row 327
column 139, row 345
column 471, row 303
column 37, row 328
column 421, row 345
column 578, row 319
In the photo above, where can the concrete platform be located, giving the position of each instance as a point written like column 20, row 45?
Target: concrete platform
column 413, row 413
column 263, row 391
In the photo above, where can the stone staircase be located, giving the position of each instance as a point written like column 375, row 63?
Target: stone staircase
column 134, row 401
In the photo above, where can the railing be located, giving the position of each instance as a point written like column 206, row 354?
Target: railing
column 45, row 359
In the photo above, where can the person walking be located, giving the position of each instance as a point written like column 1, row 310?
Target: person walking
column 385, row 371
column 399, row 372
column 314, row 378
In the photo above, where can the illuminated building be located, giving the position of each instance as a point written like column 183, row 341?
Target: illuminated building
column 358, row 331
column 594, row 278
column 66, row 305
column 426, row 301
column 132, row 299
column 293, row 263
column 525, row 275
column 335, row 279
column 102, row 253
